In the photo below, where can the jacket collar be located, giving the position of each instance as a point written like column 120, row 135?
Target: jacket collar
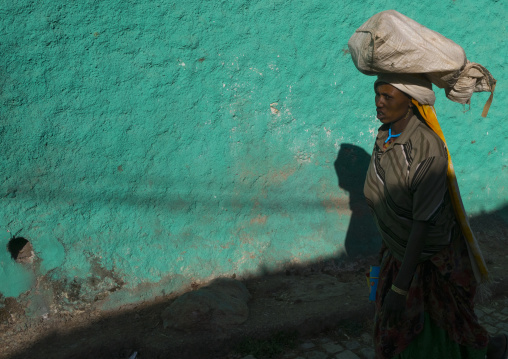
column 411, row 126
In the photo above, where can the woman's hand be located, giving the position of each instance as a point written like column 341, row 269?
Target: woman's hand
column 394, row 304
column 393, row 307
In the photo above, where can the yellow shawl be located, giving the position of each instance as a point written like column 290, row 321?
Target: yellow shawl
column 477, row 262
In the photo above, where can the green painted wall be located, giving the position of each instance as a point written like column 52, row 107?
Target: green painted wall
column 146, row 145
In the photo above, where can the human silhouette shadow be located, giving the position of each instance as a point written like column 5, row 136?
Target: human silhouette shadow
column 351, row 165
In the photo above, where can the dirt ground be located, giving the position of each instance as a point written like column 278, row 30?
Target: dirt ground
column 301, row 300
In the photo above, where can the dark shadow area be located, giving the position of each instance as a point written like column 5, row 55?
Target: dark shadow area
column 306, row 299
column 16, row 245
column 286, row 305
column 351, row 166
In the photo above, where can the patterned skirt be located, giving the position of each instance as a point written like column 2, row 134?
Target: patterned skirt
column 442, row 291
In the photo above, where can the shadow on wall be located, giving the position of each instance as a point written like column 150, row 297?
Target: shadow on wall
column 351, row 165
column 275, row 297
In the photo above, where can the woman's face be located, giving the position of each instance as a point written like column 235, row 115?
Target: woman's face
column 391, row 103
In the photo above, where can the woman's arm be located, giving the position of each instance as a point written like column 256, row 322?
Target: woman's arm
column 412, row 256
column 394, row 304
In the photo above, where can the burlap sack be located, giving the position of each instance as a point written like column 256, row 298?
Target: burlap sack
column 390, row 42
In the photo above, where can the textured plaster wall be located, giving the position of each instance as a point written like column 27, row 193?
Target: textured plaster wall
column 145, row 145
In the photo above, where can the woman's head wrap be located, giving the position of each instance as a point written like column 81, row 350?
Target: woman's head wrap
column 418, row 87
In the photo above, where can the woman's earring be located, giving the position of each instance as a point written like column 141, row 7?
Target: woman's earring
column 408, row 112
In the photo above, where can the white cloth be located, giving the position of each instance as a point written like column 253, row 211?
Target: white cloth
column 416, row 86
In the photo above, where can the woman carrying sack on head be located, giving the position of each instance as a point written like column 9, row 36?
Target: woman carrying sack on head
column 431, row 265
column 426, row 289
